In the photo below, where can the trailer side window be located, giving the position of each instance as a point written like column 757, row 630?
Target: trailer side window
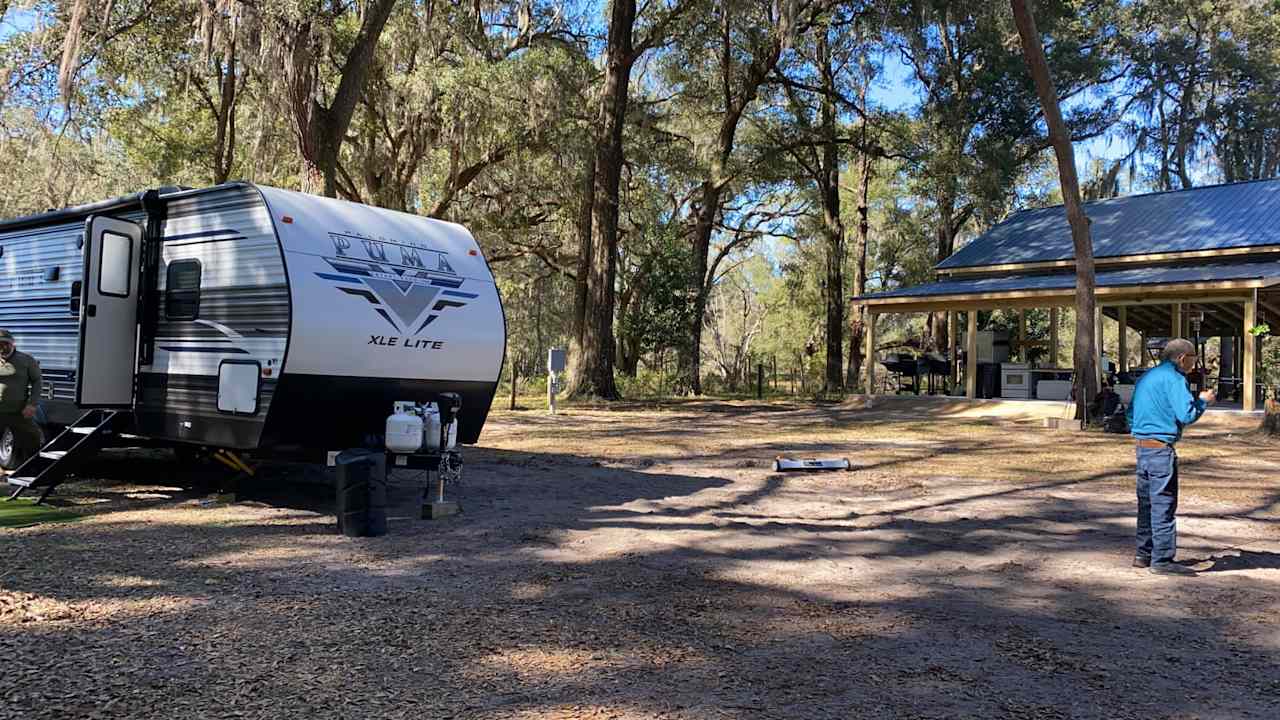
column 182, row 290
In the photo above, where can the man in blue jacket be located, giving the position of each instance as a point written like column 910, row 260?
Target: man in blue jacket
column 1162, row 406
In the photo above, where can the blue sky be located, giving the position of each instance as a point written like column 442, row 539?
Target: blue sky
column 897, row 90
column 16, row 21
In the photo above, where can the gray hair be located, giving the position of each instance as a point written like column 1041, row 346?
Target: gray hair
column 1176, row 349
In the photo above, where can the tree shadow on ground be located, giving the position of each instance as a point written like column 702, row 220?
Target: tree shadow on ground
column 1244, row 560
column 567, row 588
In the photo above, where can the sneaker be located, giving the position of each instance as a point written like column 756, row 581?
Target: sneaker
column 1141, row 561
column 1168, row 568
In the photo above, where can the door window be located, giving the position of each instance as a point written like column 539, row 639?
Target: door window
column 115, row 259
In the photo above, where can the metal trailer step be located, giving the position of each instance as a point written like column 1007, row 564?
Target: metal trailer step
column 104, row 433
column 50, row 467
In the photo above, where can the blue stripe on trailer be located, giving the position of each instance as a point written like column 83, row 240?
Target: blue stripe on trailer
column 340, row 278
column 232, row 350
column 353, row 269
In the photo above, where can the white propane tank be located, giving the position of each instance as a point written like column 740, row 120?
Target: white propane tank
column 404, row 428
column 431, row 427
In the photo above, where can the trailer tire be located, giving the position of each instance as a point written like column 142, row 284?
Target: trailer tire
column 8, row 449
column 9, row 455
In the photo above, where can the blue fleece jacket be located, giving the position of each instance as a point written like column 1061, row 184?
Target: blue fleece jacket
column 1163, row 404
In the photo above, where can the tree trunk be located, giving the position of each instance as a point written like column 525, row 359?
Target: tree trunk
column 1086, row 353
column 629, row 356
column 584, row 255
column 1186, row 130
column 833, row 229
column 736, row 100
column 320, row 130
column 593, row 368
column 579, row 319
column 689, row 360
column 945, row 236
column 628, row 337
column 224, row 139
column 858, row 319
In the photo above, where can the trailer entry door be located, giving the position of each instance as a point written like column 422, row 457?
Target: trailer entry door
column 109, row 313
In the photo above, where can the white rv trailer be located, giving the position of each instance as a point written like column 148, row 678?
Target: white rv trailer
column 251, row 318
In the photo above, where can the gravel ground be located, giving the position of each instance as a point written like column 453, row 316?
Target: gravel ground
column 645, row 562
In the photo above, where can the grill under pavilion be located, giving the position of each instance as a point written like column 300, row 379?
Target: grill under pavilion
column 1161, row 259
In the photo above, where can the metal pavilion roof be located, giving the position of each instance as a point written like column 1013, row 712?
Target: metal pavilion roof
column 1237, row 215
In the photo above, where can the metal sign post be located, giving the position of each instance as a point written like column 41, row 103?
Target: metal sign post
column 555, row 366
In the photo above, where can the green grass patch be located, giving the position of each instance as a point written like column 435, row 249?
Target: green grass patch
column 25, row 512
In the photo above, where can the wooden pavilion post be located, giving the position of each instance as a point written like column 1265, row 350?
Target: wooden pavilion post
column 952, row 328
column 1237, row 348
column 1124, row 338
column 1053, row 337
column 971, row 357
column 1101, row 336
column 1176, row 330
column 1022, row 335
column 1250, row 351
column 871, row 356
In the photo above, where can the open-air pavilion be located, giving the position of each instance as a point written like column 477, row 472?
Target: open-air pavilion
column 1208, row 256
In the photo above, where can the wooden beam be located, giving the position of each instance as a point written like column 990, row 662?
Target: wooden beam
column 1022, row 335
column 1165, row 300
column 1053, row 337
column 1227, row 355
column 1187, row 292
column 923, row 306
column 1101, row 338
column 953, row 328
column 871, row 358
column 1250, row 351
column 1124, row 338
column 1238, row 370
column 971, row 357
column 1113, row 261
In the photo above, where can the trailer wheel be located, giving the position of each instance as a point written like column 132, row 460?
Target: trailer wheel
column 8, row 449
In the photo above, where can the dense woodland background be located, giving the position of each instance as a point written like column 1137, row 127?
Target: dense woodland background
column 676, row 190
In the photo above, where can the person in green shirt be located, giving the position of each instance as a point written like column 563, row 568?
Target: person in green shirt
column 19, row 391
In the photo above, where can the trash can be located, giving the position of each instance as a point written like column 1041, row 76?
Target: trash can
column 362, row 493
column 988, row 380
